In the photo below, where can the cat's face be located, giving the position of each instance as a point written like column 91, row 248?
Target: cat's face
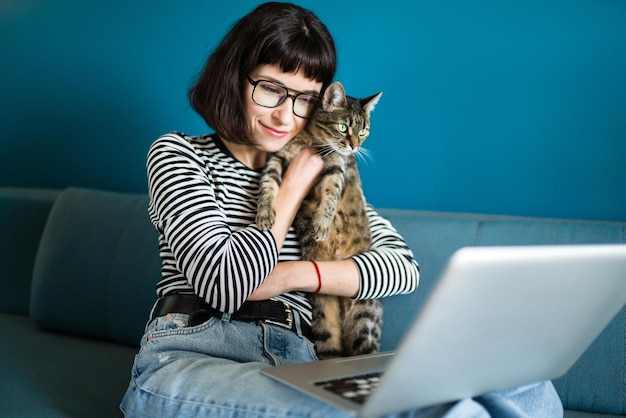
column 344, row 122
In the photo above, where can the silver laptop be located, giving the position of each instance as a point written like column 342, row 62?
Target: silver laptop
column 499, row 317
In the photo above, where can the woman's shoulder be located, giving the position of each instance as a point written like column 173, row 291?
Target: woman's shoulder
column 182, row 138
column 178, row 141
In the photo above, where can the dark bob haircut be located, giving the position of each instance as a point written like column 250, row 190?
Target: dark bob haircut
column 280, row 34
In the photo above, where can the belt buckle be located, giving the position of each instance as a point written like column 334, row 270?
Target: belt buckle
column 288, row 324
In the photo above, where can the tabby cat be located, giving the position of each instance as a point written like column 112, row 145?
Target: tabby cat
column 331, row 223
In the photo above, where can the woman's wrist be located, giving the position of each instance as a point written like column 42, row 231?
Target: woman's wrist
column 341, row 278
column 319, row 277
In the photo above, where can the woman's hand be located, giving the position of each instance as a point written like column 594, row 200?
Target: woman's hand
column 301, row 175
column 304, row 171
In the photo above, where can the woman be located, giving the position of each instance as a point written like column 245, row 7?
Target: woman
column 223, row 278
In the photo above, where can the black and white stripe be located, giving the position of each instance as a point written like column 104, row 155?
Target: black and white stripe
column 203, row 204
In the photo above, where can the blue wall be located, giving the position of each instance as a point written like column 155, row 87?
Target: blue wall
column 511, row 107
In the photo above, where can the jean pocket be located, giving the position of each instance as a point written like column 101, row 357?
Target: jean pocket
column 173, row 324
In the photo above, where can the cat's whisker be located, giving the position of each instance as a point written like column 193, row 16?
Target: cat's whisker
column 325, row 150
column 365, row 155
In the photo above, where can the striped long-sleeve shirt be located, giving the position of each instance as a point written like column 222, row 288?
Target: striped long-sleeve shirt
column 203, row 205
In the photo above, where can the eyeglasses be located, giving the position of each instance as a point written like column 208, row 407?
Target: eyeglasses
column 271, row 94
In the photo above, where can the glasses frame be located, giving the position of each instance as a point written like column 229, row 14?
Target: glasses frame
column 293, row 97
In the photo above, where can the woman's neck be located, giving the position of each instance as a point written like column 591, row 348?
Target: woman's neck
column 248, row 155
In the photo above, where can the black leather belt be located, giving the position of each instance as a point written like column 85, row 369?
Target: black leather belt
column 267, row 311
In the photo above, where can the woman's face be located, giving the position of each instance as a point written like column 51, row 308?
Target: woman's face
column 272, row 128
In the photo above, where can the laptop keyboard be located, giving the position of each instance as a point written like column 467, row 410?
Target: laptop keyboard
column 354, row 388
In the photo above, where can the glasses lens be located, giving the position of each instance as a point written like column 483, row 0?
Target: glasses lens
column 304, row 104
column 269, row 94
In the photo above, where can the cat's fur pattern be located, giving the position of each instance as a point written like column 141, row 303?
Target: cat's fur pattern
column 331, row 223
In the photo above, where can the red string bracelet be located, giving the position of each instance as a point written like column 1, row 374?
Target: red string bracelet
column 319, row 277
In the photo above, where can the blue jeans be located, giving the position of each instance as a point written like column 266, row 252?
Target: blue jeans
column 212, row 370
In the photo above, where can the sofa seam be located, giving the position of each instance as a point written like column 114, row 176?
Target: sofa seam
column 476, row 234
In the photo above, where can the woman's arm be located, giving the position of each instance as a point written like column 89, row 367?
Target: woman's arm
column 223, row 265
column 388, row 268
column 300, row 177
column 339, row 278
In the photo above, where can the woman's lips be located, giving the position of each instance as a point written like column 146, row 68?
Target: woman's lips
column 277, row 133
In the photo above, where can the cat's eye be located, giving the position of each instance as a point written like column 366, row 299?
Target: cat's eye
column 362, row 133
column 342, row 127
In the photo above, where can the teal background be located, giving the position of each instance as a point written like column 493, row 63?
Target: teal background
column 506, row 107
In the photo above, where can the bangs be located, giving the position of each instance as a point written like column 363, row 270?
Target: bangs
column 302, row 54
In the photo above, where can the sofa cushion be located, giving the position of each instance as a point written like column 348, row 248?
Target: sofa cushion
column 97, row 266
column 531, row 231
column 52, row 375
column 23, row 214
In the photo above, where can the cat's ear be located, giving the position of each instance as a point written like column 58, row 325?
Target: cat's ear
column 334, row 97
column 370, row 102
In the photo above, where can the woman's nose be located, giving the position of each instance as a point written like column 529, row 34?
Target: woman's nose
column 284, row 111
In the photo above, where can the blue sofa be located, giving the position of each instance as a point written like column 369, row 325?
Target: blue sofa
column 78, row 269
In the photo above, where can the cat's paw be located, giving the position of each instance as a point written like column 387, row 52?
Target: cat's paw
column 321, row 223
column 265, row 212
column 265, row 218
column 320, row 232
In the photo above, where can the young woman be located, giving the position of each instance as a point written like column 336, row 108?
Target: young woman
column 223, row 278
